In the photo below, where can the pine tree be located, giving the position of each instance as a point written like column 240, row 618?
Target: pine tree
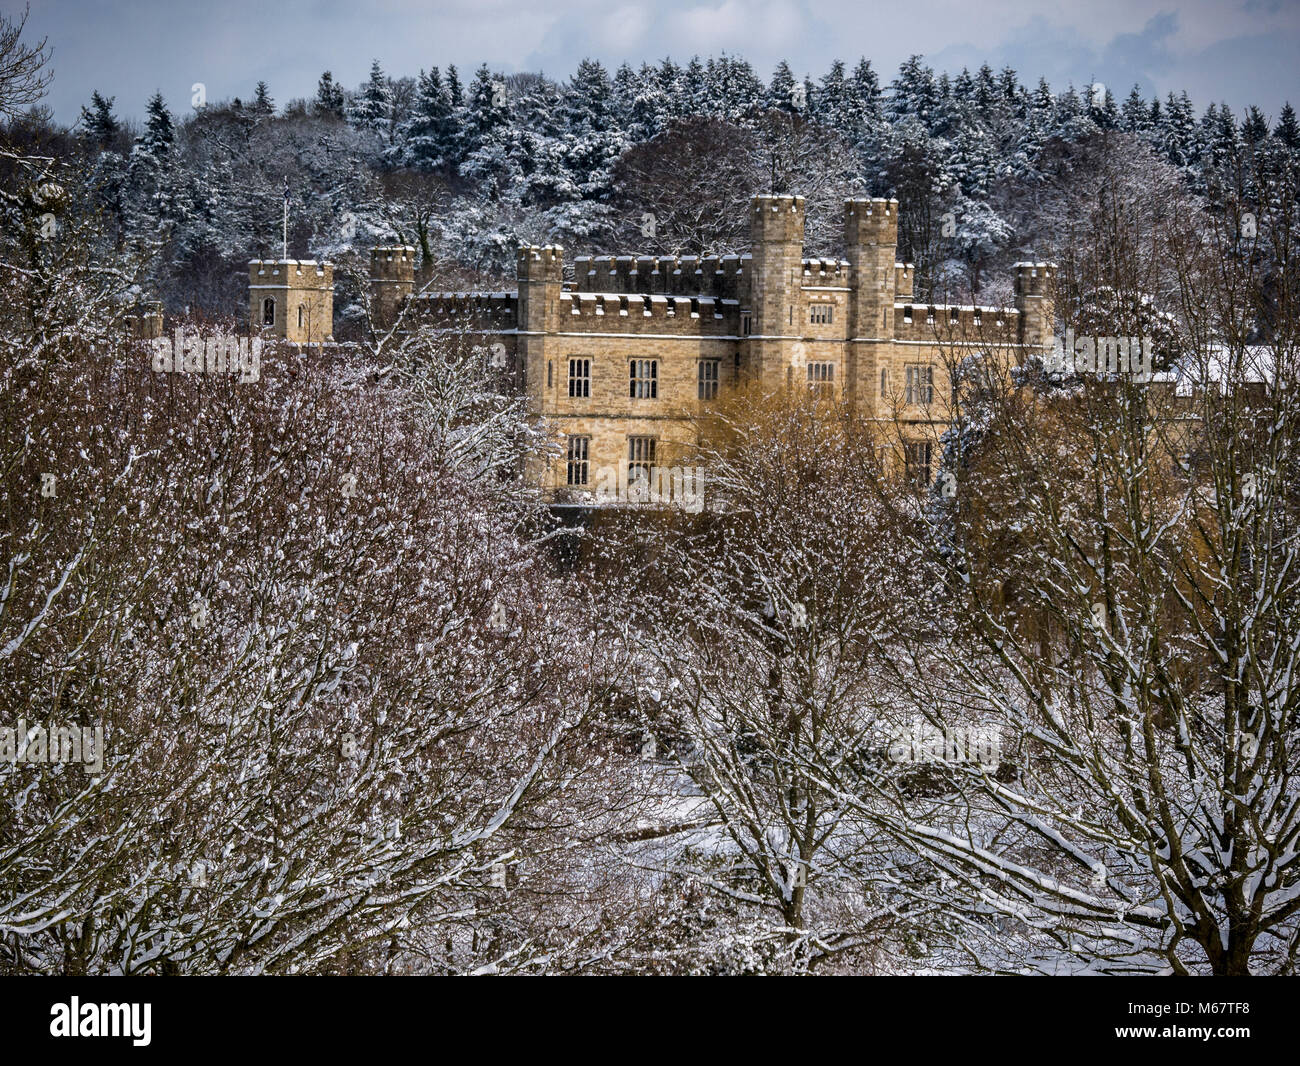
column 159, row 134
column 488, row 108
column 1178, row 130
column 455, row 94
column 986, row 92
column 913, row 94
column 263, row 105
column 1134, row 116
column 98, row 125
column 780, row 91
column 428, row 139
column 1254, row 127
column 330, row 99
column 1287, row 130
column 373, row 107
column 694, row 88
column 152, row 180
column 831, row 97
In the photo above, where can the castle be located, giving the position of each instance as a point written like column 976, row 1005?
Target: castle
column 621, row 359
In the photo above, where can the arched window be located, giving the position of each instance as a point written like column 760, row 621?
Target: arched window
column 302, row 316
column 268, row 311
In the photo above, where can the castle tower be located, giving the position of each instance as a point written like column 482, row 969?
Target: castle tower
column 392, row 280
column 1033, row 298
column 870, row 242
column 292, row 299
column 776, row 228
column 540, row 272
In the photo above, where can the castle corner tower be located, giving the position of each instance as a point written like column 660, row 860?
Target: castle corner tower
column 392, row 281
column 292, row 299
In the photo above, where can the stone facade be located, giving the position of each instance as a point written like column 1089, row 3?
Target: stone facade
column 292, row 299
column 620, row 359
column 632, row 347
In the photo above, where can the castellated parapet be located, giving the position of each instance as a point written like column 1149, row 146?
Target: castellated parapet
column 292, row 299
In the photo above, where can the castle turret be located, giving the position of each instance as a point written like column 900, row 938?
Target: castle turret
column 1033, row 298
column 392, row 280
column 540, row 272
column 292, row 299
column 776, row 228
column 870, row 241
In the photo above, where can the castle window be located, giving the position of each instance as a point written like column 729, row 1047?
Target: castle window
column 929, row 316
column 746, row 323
column 548, row 373
column 268, row 311
column 917, row 459
column 821, row 314
column 577, row 466
column 708, row 379
column 302, row 316
column 643, row 378
column 821, row 379
column 884, row 383
column 640, row 458
column 978, row 318
column 907, row 313
column 580, row 378
column 920, row 383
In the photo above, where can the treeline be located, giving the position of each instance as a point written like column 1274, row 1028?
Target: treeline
column 467, row 168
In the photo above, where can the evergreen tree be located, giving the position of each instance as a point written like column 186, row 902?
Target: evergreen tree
column 372, row 109
column 913, row 94
column 832, row 97
column 159, row 134
column 97, row 123
column 780, row 91
column 263, row 105
column 330, row 99
column 694, row 88
column 986, row 92
column 1134, row 116
column 1178, row 130
column 428, row 138
column 1287, row 130
column 1254, row 127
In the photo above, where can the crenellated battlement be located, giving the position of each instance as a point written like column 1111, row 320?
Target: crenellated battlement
column 396, row 263
column 870, row 221
column 648, row 313
column 722, row 277
column 777, row 219
column 544, row 263
column 826, row 272
column 952, row 323
column 290, row 272
column 477, row 309
column 1033, row 278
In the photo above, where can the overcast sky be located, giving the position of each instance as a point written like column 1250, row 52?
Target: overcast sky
column 1241, row 51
